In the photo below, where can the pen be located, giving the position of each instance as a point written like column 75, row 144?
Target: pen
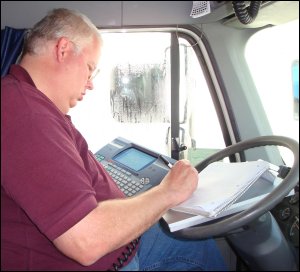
column 166, row 162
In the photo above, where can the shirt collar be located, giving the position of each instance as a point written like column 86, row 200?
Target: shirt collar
column 21, row 74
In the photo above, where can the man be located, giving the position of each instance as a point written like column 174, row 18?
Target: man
column 60, row 210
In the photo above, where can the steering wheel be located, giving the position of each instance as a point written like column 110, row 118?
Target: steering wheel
column 267, row 203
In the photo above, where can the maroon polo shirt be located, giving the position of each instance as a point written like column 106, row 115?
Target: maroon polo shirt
column 49, row 179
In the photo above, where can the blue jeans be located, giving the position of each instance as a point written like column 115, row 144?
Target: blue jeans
column 159, row 252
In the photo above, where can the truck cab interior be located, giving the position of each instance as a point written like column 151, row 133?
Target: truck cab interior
column 203, row 81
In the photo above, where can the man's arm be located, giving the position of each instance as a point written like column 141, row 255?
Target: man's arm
column 114, row 223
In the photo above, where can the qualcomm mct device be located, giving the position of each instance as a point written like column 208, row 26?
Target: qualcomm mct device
column 134, row 168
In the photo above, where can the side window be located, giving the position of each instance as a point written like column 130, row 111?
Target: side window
column 132, row 97
column 295, row 82
column 138, row 92
column 273, row 58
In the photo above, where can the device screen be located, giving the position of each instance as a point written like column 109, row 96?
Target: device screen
column 134, row 159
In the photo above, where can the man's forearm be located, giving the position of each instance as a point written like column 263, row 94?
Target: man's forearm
column 112, row 224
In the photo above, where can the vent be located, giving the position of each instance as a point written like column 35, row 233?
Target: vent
column 200, row 8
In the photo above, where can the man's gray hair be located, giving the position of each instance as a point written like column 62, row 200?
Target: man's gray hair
column 60, row 23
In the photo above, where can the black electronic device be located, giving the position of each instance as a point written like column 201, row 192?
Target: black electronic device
column 134, row 168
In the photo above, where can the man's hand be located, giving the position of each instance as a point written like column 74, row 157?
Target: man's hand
column 180, row 182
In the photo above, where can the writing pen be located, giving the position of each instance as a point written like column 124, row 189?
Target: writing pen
column 166, row 162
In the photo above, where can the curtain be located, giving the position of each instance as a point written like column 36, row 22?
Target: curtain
column 11, row 47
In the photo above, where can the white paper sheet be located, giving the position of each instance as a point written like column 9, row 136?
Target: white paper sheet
column 220, row 184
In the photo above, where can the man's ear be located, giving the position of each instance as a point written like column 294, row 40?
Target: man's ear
column 63, row 47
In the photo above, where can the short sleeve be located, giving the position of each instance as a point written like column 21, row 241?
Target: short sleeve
column 44, row 173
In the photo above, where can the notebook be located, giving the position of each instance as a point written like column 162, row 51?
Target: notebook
column 265, row 184
column 220, row 184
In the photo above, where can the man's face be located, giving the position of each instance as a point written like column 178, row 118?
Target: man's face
column 84, row 67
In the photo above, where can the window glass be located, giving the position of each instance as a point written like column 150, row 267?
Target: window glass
column 138, row 92
column 272, row 55
column 295, row 82
column 132, row 96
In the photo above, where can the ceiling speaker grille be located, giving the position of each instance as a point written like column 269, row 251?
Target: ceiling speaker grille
column 200, row 8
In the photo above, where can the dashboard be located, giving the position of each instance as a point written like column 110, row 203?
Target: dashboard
column 287, row 217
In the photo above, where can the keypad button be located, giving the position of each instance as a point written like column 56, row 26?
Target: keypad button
column 124, row 179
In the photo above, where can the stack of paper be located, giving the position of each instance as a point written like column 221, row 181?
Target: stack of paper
column 220, row 184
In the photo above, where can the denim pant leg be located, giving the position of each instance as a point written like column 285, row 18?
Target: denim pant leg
column 160, row 252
